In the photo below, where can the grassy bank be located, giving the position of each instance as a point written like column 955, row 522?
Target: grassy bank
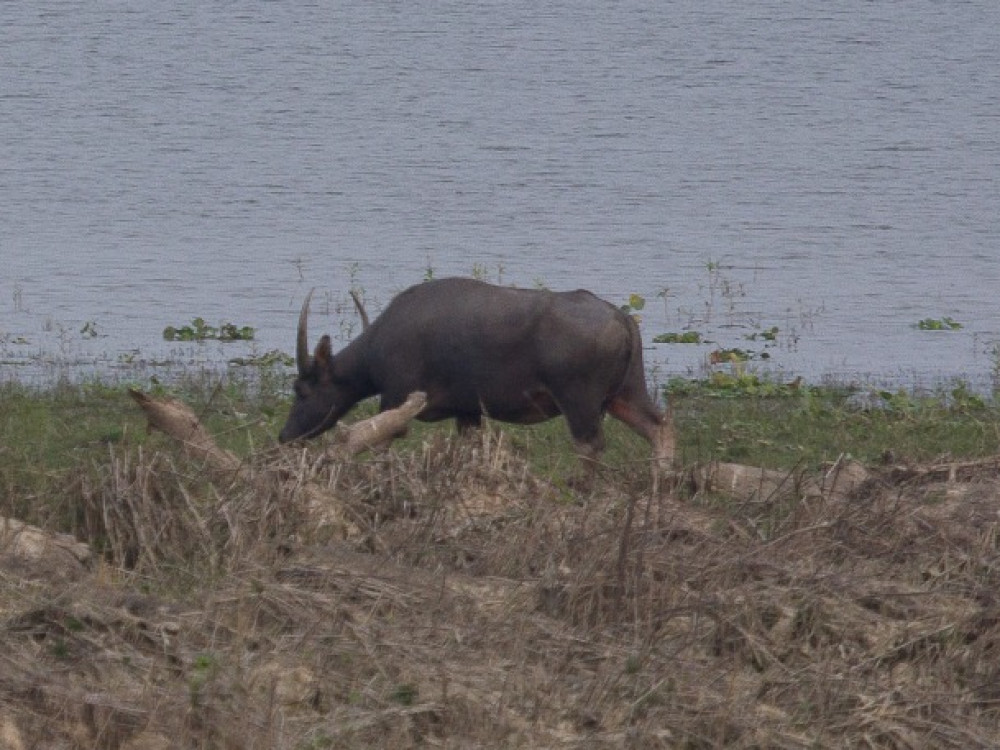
column 482, row 603
column 46, row 433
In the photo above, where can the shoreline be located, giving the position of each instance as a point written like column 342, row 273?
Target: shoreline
column 246, row 363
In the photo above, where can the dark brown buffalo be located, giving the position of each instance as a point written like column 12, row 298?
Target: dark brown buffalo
column 517, row 355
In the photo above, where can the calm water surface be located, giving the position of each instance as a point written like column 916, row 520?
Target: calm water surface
column 829, row 169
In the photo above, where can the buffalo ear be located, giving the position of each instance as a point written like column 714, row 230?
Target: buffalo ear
column 324, row 354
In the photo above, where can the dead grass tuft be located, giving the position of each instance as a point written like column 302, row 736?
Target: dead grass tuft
column 479, row 605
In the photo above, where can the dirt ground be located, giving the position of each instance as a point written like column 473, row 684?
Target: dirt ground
column 450, row 598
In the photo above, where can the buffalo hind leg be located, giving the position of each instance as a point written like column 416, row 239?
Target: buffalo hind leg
column 646, row 420
column 589, row 452
column 658, row 428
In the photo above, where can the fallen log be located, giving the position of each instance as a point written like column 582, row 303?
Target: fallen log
column 29, row 553
column 177, row 420
column 755, row 484
column 383, row 427
column 23, row 540
column 951, row 472
column 745, row 483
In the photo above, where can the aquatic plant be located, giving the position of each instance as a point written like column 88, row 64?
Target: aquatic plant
column 768, row 334
column 685, row 337
column 199, row 330
column 939, row 324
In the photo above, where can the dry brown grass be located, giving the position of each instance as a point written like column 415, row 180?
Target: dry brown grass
column 479, row 606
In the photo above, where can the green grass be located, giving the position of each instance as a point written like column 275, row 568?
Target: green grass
column 50, row 436
column 45, row 434
column 782, row 427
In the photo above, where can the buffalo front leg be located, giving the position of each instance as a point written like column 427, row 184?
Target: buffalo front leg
column 589, row 452
column 588, row 441
column 468, row 423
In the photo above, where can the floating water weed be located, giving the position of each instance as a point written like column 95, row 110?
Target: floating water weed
column 686, row 337
column 939, row 324
column 199, row 330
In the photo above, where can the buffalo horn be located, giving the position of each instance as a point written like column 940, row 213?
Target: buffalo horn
column 302, row 340
column 361, row 310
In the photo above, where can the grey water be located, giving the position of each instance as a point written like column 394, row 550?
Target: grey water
column 831, row 169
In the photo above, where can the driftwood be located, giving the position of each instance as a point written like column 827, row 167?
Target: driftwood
column 946, row 471
column 841, row 480
column 383, row 427
column 177, row 420
column 27, row 542
column 755, row 484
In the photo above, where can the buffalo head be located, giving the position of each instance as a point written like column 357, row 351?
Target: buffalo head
column 321, row 397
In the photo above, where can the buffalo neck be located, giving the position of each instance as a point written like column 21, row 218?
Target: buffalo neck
column 351, row 367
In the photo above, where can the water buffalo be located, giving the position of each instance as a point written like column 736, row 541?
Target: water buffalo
column 516, row 355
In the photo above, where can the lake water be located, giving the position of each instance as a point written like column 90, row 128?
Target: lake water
column 829, row 169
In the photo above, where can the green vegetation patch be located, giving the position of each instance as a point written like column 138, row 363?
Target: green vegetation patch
column 199, row 330
column 684, row 337
column 785, row 425
column 939, row 324
column 272, row 358
column 64, row 432
column 60, row 434
column 456, row 532
column 767, row 334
